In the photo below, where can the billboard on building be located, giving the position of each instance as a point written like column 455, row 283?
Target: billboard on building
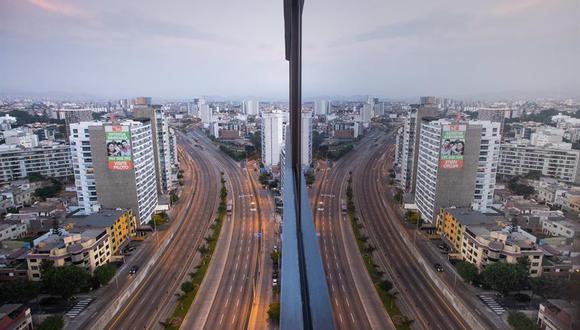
column 452, row 146
column 118, row 140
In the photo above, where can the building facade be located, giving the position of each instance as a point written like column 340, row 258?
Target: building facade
column 456, row 165
column 125, row 180
column 521, row 157
column 306, row 138
column 272, row 137
column 50, row 160
column 88, row 250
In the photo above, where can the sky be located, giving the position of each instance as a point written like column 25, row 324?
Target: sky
column 232, row 48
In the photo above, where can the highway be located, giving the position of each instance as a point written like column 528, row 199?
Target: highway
column 424, row 301
column 228, row 293
column 155, row 294
column 155, row 299
column 355, row 301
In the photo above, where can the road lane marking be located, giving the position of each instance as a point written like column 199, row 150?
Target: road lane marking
column 234, row 319
column 340, row 317
column 352, row 317
column 222, row 318
column 227, row 301
column 231, row 287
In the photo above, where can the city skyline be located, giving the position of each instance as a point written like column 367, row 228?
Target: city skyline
column 109, row 50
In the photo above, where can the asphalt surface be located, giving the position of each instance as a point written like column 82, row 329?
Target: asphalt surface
column 231, row 303
column 154, row 298
column 423, row 301
column 354, row 299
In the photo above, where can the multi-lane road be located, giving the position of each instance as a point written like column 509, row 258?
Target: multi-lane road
column 355, row 301
column 153, row 299
column 229, row 292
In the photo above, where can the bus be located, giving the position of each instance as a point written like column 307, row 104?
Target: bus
column 229, row 208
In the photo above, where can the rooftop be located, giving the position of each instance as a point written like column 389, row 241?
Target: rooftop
column 101, row 219
column 470, row 217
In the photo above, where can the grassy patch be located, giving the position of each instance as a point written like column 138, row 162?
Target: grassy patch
column 186, row 299
column 382, row 285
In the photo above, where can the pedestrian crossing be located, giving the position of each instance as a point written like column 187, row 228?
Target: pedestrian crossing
column 79, row 307
column 492, row 304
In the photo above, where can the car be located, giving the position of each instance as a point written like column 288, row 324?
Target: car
column 438, row 267
column 274, row 282
column 133, row 270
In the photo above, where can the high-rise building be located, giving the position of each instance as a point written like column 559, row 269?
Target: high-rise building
column 164, row 166
column 272, row 137
column 142, row 100
column 321, row 107
column 82, row 162
column 306, row 138
column 497, row 115
column 205, row 113
column 409, row 141
column 72, row 116
column 116, row 167
column 366, row 113
column 49, row 159
column 456, row 165
column 428, row 100
column 251, row 107
column 124, row 167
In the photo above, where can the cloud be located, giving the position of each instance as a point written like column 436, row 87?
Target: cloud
column 514, row 7
column 57, row 7
column 434, row 25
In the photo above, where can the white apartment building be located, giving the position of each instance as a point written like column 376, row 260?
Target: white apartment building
column 366, row 113
column 321, row 107
column 408, row 142
column 488, row 162
column 205, row 113
column 251, row 107
column 519, row 157
column 168, row 163
column 82, row 164
column 49, row 159
column 306, row 138
column 272, row 137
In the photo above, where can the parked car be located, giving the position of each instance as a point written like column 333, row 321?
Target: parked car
column 274, row 282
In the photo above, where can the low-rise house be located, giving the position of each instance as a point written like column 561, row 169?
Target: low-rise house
column 88, row 249
column 12, row 230
column 13, row 265
column 557, row 314
column 481, row 239
column 560, row 227
column 15, row 317
column 119, row 224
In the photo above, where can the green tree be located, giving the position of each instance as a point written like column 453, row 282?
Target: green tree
column 54, row 322
column 275, row 256
column 103, row 274
column 504, row 277
column 519, row 321
column 186, row 287
column 173, row 198
column 467, row 271
column 65, row 280
column 18, row 292
column 35, row 177
column 274, row 311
